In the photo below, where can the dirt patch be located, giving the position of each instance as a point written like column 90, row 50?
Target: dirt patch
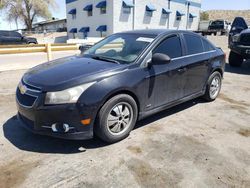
column 151, row 129
column 134, row 149
column 232, row 101
column 14, row 173
column 147, row 176
column 244, row 132
column 204, row 158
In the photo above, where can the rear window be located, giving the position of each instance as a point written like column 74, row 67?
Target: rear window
column 217, row 23
column 194, row 44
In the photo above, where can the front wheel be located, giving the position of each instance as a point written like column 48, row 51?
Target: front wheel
column 235, row 60
column 116, row 118
column 213, row 87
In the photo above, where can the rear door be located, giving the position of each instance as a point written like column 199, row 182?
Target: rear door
column 196, row 64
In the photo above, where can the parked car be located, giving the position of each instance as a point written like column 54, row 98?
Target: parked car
column 123, row 78
column 204, row 28
column 13, row 37
column 239, row 42
column 219, row 26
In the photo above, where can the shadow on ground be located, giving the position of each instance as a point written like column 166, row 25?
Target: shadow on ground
column 27, row 141
column 244, row 69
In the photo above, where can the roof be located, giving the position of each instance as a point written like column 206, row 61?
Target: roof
column 49, row 21
column 148, row 31
column 157, row 32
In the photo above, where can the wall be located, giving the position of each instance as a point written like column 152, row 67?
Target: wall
column 83, row 20
column 117, row 21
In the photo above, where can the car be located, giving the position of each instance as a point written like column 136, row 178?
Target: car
column 239, row 42
column 219, row 26
column 13, row 37
column 122, row 79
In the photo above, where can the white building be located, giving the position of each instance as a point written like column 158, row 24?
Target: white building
column 97, row 18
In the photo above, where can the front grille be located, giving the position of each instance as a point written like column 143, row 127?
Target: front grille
column 24, row 99
column 245, row 39
column 31, row 87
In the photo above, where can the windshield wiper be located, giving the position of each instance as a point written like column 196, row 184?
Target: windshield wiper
column 105, row 59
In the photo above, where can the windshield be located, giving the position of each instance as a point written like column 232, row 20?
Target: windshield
column 121, row 48
column 217, row 23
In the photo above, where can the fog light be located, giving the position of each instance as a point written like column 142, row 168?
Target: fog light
column 86, row 121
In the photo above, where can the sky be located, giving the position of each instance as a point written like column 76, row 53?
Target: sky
column 60, row 12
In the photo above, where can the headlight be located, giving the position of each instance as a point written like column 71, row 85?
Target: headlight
column 70, row 95
column 236, row 38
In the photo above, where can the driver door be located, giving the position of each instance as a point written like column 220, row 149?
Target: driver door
column 166, row 82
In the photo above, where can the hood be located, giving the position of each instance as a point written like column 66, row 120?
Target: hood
column 68, row 72
column 239, row 24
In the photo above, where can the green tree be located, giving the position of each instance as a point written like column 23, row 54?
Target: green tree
column 27, row 10
column 204, row 16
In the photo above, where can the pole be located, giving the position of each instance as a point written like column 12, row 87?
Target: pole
column 133, row 20
column 48, row 50
column 169, row 14
column 188, row 6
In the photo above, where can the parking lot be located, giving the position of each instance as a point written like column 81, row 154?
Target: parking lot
column 195, row 144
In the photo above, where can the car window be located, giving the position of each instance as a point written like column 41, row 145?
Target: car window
column 117, row 45
column 207, row 46
column 4, row 33
column 170, row 46
column 15, row 34
column 194, row 44
column 125, row 48
column 217, row 23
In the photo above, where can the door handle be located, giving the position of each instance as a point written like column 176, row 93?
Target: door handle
column 183, row 69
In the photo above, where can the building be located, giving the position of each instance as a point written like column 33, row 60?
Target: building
column 98, row 18
column 53, row 25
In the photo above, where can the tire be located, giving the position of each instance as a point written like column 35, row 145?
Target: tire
column 235, row 60
column 212, row 84
column 113, row 122
column 215, row 33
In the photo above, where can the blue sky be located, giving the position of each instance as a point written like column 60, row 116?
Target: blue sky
column 60, row 12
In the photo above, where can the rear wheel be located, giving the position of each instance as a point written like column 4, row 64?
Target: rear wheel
column 116, row 118
column 213, row 87
column 235, row 60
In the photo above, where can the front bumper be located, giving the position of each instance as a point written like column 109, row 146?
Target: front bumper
column 242, row 50
column 40, row 119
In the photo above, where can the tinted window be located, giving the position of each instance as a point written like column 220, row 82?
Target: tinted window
column 218, row 22
column 15, row 34
column 4, row 33
column 194, row 44
column 207, row 45
column 171, row 47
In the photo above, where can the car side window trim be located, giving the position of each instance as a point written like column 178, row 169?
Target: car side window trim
column 185, row 56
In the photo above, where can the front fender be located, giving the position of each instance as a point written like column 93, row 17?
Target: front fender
column 129, row 81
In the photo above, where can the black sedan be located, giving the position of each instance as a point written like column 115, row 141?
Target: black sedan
column 120, row 80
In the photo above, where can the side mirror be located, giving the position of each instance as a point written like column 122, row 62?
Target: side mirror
column 160, row 59
column 83, row 48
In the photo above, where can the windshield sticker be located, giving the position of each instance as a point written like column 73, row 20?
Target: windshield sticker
column 144, row 39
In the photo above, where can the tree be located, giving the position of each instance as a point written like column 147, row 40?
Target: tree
column 204, row 16
column 27, row 10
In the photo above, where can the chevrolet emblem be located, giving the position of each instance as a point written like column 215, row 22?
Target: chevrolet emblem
column 22, row 88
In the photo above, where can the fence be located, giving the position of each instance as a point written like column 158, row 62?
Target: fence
column 46, row 48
